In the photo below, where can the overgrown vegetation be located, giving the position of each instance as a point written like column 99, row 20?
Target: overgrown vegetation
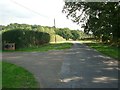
column 17, row 77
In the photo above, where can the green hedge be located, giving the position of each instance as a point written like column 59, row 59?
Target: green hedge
column 25, row 38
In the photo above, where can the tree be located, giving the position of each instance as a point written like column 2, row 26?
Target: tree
column 75, row 34
column 65, row 33
column 97, row 17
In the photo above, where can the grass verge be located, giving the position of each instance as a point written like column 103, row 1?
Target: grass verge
column 0, row 75
column 46, row 47
column 108, row 50
column 17, row 77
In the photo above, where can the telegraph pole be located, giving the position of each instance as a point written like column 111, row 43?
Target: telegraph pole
column 54, row 22
column 54, row 29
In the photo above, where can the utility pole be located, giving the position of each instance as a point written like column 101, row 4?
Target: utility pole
column 54, row 29
column 54, row 22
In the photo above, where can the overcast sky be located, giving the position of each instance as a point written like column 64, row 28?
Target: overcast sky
column 39, row 12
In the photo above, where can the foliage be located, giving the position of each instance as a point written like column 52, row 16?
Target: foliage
column 17, row 77
column 39, row 28
column 75, row 34
column 25, row 38
column 56, row 34
column 97, row 18
column 65, row 33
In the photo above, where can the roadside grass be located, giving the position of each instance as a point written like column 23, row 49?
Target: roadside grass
column 42, row 48
column 106, row 49
column 0, row 75
column 17, row 77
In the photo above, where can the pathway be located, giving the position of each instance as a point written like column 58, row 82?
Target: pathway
column 78, row 67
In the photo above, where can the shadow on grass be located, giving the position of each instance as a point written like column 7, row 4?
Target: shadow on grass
column 111, row 51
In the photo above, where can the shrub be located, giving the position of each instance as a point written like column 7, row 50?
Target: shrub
column 25, row 38
column 75, row 34
column 65, row 33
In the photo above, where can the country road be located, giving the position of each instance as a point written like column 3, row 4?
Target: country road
column 78, row 67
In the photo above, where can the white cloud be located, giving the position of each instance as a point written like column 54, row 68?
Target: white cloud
column 41, row 12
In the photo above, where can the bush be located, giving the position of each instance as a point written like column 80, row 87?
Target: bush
column 75, row 34
column 65, row 33
column 25, row 38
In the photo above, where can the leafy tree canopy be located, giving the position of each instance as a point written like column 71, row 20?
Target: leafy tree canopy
column 102, row 18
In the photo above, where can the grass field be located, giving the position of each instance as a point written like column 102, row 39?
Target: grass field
column 106, row 49
column 17, row 77
column 46, row 47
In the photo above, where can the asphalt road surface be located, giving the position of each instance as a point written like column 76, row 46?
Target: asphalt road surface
column 78, row 67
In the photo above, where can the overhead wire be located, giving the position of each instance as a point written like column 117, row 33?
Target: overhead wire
column 29, row 9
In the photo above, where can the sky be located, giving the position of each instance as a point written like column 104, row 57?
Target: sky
column 35, row 12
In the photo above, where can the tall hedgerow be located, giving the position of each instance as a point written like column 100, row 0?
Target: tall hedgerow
column 25, row 38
